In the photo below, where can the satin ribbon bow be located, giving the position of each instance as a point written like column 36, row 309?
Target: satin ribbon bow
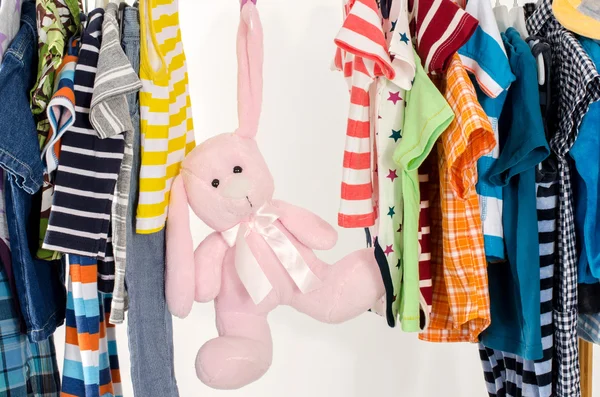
column 251, row 274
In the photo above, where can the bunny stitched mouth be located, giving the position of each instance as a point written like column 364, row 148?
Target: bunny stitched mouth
column 250, row 202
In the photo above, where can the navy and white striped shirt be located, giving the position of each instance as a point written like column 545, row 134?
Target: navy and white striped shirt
column 87, row 173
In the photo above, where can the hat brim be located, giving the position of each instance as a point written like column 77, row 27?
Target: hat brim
column 575, row 20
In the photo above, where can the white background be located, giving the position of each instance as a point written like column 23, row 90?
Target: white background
column 302, row 139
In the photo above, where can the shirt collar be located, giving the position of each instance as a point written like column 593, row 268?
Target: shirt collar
column 541, row 15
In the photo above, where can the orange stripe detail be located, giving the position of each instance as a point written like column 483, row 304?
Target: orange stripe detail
column 116, row 375
column 88, row 342
column 84, row 274
column 71, row 336
column 106, row 389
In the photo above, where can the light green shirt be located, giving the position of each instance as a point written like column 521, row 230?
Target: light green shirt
column 427, row 116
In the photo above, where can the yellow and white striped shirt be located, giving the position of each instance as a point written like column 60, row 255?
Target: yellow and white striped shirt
column 167, row 132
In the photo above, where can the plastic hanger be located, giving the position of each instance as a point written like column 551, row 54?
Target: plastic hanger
column 101, row 3
column 501, row 14
column 517, row 19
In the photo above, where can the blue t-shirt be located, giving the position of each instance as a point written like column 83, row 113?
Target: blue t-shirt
column 485, row 58
column 515, row 286
column 586, row 183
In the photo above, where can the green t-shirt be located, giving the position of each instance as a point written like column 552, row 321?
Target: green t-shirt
column 427, row 116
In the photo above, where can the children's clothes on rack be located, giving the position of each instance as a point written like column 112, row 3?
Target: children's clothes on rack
column 109, row 115
column 39, row 284
column 167, row 131
column 471, row 160
column 578, row 87
column 148, row 319
column 426, row 118
column 91, row 365
column 57, row 21
column 26, row 368
column 61, row 116
column 460, row 309
column 88, row 167
column 61, row 108
column 484, row 56
column 586, row 183
column 363, row 56
column 440, row 29
column 514, row 288
column 390, row 108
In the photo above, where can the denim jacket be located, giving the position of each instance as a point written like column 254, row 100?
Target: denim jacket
column 39, row 284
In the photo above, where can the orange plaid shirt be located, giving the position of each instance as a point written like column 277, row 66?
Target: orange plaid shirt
column 461, row 303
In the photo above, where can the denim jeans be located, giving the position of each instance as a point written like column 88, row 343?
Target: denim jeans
column 39, row 284
column 150, row 325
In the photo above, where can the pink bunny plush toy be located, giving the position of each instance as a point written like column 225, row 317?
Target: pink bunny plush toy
column 261, row 253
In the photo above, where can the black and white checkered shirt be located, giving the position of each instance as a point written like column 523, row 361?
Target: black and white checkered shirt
column 576, row 84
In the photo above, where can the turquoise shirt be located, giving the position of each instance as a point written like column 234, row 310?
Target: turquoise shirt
column 586, row 183
column 485, row 58
column 515, row 286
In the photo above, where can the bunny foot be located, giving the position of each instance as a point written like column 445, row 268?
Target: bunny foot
column 351, row 287
column 359, row 285
column 231, row 362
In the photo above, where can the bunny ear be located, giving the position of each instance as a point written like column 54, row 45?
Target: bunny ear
column 250, row 69
column 179, row 272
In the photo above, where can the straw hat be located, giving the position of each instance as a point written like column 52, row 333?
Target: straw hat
column 579, row 16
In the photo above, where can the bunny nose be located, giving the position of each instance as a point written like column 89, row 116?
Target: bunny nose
column 237, row 187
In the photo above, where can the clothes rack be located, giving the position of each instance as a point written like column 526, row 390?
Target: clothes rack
column 586, row 362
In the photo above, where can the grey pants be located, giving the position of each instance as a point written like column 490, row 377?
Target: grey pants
column 150, row 327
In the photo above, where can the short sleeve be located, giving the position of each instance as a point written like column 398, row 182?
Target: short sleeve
column 427, row 116
column 521, row 121
column 362, row 35
column 401, row 50
column 470, row 135
column 484, row 54
column 441, row 27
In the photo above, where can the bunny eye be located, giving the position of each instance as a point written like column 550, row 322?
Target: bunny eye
column 215, row 183
column 237, row 169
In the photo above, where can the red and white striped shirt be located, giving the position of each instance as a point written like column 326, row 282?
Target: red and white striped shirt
column 362, row 55
column 441, row 27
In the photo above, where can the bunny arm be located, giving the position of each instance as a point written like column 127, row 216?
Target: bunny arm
column 308, row 228
column 179, row 272
column 209, row 257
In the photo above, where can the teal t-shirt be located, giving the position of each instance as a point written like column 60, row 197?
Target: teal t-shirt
column 586, row 183
column 515, row 285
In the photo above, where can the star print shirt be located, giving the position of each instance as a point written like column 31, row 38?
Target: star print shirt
column 427, row 116
column 390, row 107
